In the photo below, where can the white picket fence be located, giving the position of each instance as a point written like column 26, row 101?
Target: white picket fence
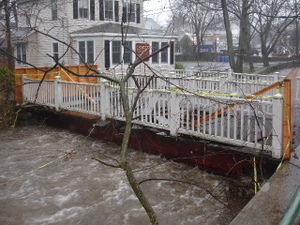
column 252, row 124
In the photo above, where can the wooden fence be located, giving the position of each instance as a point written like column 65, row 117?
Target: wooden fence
column 38, row 73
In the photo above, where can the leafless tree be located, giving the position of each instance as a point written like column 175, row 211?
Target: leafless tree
column 241, row 10
column 270, row 19
column 196, row 17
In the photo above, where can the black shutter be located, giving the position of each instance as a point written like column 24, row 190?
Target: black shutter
column 101, row 9
column 107, row 54
column 75, row 9
column 138, row 13
column 172, row 52
column 124, row 16
column 92, row 8
column 116, row 11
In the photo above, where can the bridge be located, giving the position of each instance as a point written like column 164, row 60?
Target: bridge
column 254, row 112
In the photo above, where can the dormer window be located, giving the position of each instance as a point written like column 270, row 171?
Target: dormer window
column 84, row 9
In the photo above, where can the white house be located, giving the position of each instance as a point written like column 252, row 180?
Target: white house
column 106, row 32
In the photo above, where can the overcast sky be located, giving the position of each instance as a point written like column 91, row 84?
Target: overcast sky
column 158, row 10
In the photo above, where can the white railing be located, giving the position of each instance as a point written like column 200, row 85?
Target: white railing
column 249, row 123
column 207, row 82
column 40, row 93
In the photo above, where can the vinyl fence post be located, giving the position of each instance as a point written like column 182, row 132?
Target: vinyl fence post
column 229, row 74
column 174, row 115
column 104, row 99
column 277, row 124
column 223, row 84
column 58, row 99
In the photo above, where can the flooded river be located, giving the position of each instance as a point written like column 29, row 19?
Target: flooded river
column 48, row 176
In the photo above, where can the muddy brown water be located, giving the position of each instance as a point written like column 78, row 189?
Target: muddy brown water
column 48, row 176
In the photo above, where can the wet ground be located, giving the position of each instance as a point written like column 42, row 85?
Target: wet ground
column 48, row 176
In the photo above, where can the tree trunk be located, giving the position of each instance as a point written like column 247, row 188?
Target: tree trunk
column 228, row 35
column 10, row 50
column 244, row 37
column 265, row 56
column 124, row 164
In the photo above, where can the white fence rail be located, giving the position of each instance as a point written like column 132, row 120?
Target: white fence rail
column 249, row 123
column 203, row 82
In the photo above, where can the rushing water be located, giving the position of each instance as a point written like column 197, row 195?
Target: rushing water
column 48, row 176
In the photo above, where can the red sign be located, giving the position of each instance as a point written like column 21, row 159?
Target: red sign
column 142, row 50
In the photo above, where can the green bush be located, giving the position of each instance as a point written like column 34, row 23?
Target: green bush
column 179, row 66
column 6, row 82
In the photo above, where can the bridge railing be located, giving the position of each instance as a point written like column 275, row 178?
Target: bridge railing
column 204, row 82
column 252, row 123
column 39, row 92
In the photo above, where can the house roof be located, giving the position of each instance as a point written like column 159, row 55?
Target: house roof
column 21, row 33
column 115, row 28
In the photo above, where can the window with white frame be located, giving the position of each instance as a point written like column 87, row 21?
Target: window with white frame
column 84, row 9
column 161, row 57
column 109, row 10
column 121, row 53
column 21, row 53
column 131, row 12
column 86, row 52
column 55, row 51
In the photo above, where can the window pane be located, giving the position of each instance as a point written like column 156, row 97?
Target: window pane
column 154, row 49
column 55, row 50
column 83, row 8
column 128, row 52
column 81, row 52
column 90, row 52
column 116, row 52
column 164, row 53
column 54, row 9
column 131, row 15
column 21, row 52
column 108, row 10
column 24, row 52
